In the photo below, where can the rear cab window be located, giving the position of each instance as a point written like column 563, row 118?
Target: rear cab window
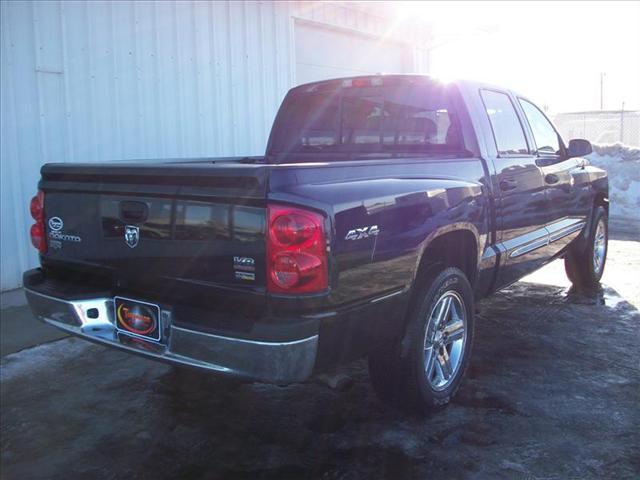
column 505, row 124
column 377, row 116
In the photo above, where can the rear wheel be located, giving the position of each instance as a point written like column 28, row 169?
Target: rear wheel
column 585, row 267
column 423, row 371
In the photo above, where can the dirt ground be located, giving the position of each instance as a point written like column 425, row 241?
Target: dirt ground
column 552, row 392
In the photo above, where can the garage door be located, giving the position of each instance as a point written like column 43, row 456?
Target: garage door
column 323, row 53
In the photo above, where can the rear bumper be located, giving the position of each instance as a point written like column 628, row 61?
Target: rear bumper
column 273, row 362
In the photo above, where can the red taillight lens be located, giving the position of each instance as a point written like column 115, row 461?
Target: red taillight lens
column 296, row 251
column 293, row 229
column 285, row 270
column 36, row 207
column 37, row 236
column 291, row 269
column 361, row 82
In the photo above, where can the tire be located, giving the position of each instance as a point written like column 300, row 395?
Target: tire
column 585, row 266
column 398, row 371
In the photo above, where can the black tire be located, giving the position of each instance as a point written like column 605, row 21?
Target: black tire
column 579, row 263
column 398, row 372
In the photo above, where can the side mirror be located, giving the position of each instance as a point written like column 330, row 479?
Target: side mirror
column 579, row 148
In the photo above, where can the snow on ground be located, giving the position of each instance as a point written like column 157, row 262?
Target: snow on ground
column 32, row 360
column 623, row 164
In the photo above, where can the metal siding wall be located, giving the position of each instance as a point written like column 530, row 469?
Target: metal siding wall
column 22, row 144
column 99, row 81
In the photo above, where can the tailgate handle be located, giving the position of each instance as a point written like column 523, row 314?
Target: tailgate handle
column 133, row 211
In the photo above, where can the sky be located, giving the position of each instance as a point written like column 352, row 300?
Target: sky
column 552, row 52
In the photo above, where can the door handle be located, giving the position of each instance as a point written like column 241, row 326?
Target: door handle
column 506, row 185
column 551, row 178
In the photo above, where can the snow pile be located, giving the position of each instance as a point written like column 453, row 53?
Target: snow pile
column 622, row 162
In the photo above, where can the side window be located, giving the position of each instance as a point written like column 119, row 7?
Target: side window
column 544, row 134
column 505, row 124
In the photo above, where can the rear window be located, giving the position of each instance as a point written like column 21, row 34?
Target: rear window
column 388, row 118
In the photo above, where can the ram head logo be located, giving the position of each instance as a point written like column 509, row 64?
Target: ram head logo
column 131, row 235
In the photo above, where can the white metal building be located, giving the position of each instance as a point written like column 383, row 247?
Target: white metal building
column 89, row 81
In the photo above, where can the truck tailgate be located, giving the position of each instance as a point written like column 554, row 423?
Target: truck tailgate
column 160, row 230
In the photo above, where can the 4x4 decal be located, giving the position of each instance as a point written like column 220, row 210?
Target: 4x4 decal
column 364, row 232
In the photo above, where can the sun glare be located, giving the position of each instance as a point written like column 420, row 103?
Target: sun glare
column 552, row 51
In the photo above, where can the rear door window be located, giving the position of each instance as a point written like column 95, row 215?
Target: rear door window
column 507, row 129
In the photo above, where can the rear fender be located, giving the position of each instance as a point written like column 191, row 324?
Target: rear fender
column 444, row 230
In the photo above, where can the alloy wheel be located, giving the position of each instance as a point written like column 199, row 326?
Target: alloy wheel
column 599, row 247
column 444, row 341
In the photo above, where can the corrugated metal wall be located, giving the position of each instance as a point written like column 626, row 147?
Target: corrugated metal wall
column 97, row 81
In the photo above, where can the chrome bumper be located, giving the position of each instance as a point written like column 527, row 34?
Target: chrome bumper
column 93, row 319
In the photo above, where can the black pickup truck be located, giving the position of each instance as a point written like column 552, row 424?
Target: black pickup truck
column 383, row 209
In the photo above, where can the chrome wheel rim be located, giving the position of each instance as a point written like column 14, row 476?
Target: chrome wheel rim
column 444, row 341
column 599, row 246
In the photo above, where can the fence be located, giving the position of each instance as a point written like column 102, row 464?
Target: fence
column 604, row 127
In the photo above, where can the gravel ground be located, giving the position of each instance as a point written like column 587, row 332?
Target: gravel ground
column 553, row 391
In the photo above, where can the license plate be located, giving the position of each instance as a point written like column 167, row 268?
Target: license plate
column 140, row 319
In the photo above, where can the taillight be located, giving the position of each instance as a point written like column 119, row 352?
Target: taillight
column 36, row 207
column 296, row 251
column 362, row 82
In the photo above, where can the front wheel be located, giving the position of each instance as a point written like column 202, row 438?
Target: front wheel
column 423, row 371
column 585, row 267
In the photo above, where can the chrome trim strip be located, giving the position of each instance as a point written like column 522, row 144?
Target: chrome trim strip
column 563, row 232
column 384, row 297
column 243, row 340
column 274, row 362
column 531, row 246
column 551, row 236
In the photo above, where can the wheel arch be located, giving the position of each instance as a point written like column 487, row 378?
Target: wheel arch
column 453, row 246
column 457, row 246
column 601, row 199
